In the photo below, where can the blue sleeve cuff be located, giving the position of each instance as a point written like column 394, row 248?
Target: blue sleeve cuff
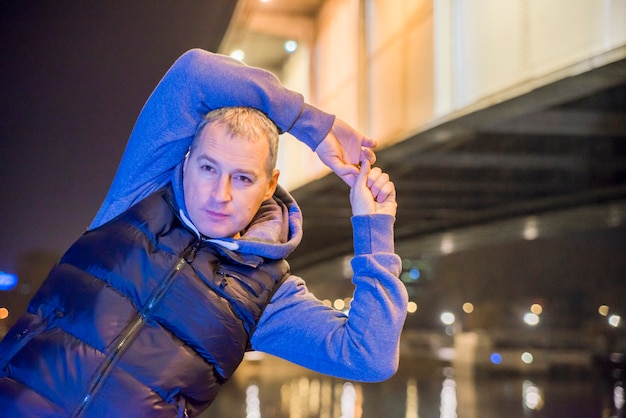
column 373, row 234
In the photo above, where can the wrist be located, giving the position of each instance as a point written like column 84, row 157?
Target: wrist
column 312, row 126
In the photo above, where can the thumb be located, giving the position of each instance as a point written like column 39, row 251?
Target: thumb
column 361, row 197
column 361, row 180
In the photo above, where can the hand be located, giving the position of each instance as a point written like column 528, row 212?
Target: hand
column 373, row 192
column 343, row 148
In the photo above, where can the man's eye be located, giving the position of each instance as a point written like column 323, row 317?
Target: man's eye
column 244, row 179
column 207, row 168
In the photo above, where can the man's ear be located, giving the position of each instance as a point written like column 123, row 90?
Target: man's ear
column 271, row 187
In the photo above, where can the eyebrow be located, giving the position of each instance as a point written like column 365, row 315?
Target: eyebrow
column 251, row 173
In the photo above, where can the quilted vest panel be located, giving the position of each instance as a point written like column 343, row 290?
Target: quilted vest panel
column 139, row 318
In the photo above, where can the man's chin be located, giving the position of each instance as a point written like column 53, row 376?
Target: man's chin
column 217, row 234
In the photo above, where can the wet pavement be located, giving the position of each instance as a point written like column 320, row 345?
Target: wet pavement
column 421, row 389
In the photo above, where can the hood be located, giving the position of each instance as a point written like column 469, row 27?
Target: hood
column 274, row 233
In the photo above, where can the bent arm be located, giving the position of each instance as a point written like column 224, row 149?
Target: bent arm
column 362, row 345
column 200, row 81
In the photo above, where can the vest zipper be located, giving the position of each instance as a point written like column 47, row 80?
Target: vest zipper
column 128, row 335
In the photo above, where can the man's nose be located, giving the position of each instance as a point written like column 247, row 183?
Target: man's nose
column 221, row 191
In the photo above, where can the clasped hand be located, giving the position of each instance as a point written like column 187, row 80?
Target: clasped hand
column 343, row 149
column 373, row 192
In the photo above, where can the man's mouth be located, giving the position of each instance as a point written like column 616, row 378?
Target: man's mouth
column 215, row 215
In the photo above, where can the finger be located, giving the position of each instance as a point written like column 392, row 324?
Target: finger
column 369, row 142
column 379, row 181
column 374, row 176
column 368, row 154
column 387, row 191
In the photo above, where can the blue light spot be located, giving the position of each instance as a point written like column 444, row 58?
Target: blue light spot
column 414, row 273
column 7, row 281
column 496, row 358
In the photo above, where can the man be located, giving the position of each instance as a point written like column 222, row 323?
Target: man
column 183, row 270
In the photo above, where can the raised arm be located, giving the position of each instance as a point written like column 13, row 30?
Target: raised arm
column 198, row 82
column 362, row 345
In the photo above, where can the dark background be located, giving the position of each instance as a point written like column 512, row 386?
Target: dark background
column 73, row 78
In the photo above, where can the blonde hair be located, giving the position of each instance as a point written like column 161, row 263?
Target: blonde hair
column 245, row 123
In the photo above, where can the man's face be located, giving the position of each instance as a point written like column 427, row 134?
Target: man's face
column 225, row 181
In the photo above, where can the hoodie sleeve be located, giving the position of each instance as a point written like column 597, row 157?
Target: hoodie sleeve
column 362, row 345
column 198, row 82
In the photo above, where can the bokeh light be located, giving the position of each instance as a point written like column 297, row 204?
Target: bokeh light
column 339, row 304
column 531, row 229
column 447, row 318
column 614, row 320
column 532, row 395
column 238, row 54
column 495, row 358
column 291, row 46
column 468, row 307
column 527, row 357
column 447, row 244
column 7, row 281
column 253, row 402
column 531, row 319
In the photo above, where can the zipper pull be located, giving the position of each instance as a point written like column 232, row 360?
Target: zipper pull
column 224, row 281
column 224, row 277
column 191, row 255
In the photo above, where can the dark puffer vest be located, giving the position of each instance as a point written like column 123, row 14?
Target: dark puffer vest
column 138, row 316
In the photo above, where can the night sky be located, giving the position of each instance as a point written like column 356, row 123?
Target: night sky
column 73, row 78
